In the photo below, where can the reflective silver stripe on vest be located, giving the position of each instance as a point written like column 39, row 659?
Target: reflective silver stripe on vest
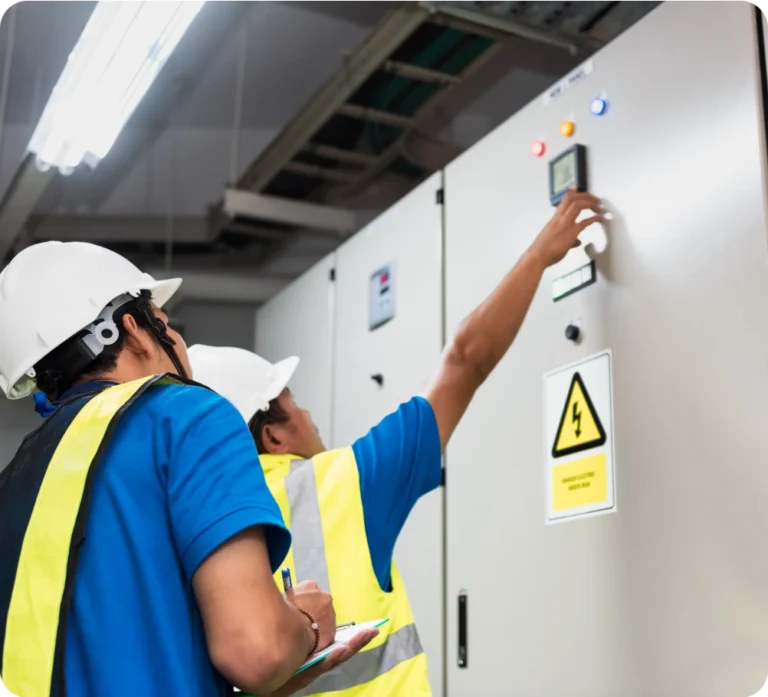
column 401, row 646
column 306, row 528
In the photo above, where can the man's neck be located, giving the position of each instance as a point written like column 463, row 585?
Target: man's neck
column 128, row 370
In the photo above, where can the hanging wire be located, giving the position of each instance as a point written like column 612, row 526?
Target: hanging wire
column 242, row 58
column 170, row 208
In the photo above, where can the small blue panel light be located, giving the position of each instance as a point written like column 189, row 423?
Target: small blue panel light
column 598, row 106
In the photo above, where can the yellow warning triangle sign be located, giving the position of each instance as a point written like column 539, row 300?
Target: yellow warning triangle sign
column 580, row 427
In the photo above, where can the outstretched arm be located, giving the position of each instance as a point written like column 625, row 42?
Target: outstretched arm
column 486, row 335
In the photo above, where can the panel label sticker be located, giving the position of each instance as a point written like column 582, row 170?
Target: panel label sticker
column 578, row 406
column 573, row 78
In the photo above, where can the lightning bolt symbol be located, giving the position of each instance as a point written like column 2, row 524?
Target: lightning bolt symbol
column 577, row 418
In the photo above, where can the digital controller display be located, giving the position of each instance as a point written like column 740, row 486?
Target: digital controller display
column 564, row 172
column 568, row 169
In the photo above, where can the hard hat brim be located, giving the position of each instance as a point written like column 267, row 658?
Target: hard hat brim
column 163, row 291
column 284, row 371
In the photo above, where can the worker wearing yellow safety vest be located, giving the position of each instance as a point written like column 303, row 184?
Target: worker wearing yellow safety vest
column 137, row 535
column 346, row 507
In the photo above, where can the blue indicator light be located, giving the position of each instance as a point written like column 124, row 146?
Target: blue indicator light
column 598, row 106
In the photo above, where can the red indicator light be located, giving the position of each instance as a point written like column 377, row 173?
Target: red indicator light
column 384, row 278
column 537, row 148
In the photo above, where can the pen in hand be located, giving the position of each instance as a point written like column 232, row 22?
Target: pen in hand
column 287, row 581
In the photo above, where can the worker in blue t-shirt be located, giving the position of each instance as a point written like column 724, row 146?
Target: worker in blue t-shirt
column 346, row 508
column 137, row 535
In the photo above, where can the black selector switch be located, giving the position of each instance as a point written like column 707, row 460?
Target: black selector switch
column 572, row 333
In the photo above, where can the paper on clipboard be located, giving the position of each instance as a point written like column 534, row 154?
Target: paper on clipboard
column 343, row 636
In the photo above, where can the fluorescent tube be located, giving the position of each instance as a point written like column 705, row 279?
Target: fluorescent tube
column 117, row 58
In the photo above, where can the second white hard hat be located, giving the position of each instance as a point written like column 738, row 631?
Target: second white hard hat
column 52, row 290
column 247, row 380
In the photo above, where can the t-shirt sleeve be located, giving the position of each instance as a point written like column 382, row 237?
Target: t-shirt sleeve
column 399, row 461
column 216, row 487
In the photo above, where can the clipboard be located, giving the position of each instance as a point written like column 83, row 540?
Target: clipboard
column 343, row 636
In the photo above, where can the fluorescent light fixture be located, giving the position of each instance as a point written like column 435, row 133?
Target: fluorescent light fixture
column 117, row 58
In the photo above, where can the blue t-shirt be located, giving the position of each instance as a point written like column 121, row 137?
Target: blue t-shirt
column 399, row 461
column 179, row 478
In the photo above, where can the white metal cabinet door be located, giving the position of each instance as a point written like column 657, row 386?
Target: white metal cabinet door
column 667, row 597
column 404, row 351
column 299, row 322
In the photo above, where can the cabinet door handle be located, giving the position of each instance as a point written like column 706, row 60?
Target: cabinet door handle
column 463, row 658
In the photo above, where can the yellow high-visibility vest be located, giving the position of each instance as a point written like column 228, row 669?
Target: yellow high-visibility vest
column 322, row 507
column 44, row 502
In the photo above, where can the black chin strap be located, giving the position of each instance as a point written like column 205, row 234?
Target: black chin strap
column 158, row 328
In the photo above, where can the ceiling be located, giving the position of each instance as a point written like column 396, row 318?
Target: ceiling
column 176, row 156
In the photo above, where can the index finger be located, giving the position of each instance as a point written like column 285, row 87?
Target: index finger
column 576, row 206
column 362, row 639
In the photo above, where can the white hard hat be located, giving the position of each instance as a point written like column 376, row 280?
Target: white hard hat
column 248, row 381
column 51, row 291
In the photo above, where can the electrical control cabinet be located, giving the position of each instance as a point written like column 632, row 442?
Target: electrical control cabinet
column 664, row 590
column 299, row 321
column 377, row 370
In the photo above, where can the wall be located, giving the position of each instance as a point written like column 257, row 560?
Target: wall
column 217, row 324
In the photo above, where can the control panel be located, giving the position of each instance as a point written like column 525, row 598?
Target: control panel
column 566, row 170
column 381, row 297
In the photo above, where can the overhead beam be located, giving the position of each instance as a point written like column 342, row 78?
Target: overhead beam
column 416, row 72
column 19, row 201
column 486, row 24
column 120, row 228
column 388, row 35
column 330, row 175
column 350, row 157
column 375, row 115
column 282, row 210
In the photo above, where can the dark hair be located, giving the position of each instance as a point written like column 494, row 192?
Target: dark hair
column 73, row 362
column 274, row 415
